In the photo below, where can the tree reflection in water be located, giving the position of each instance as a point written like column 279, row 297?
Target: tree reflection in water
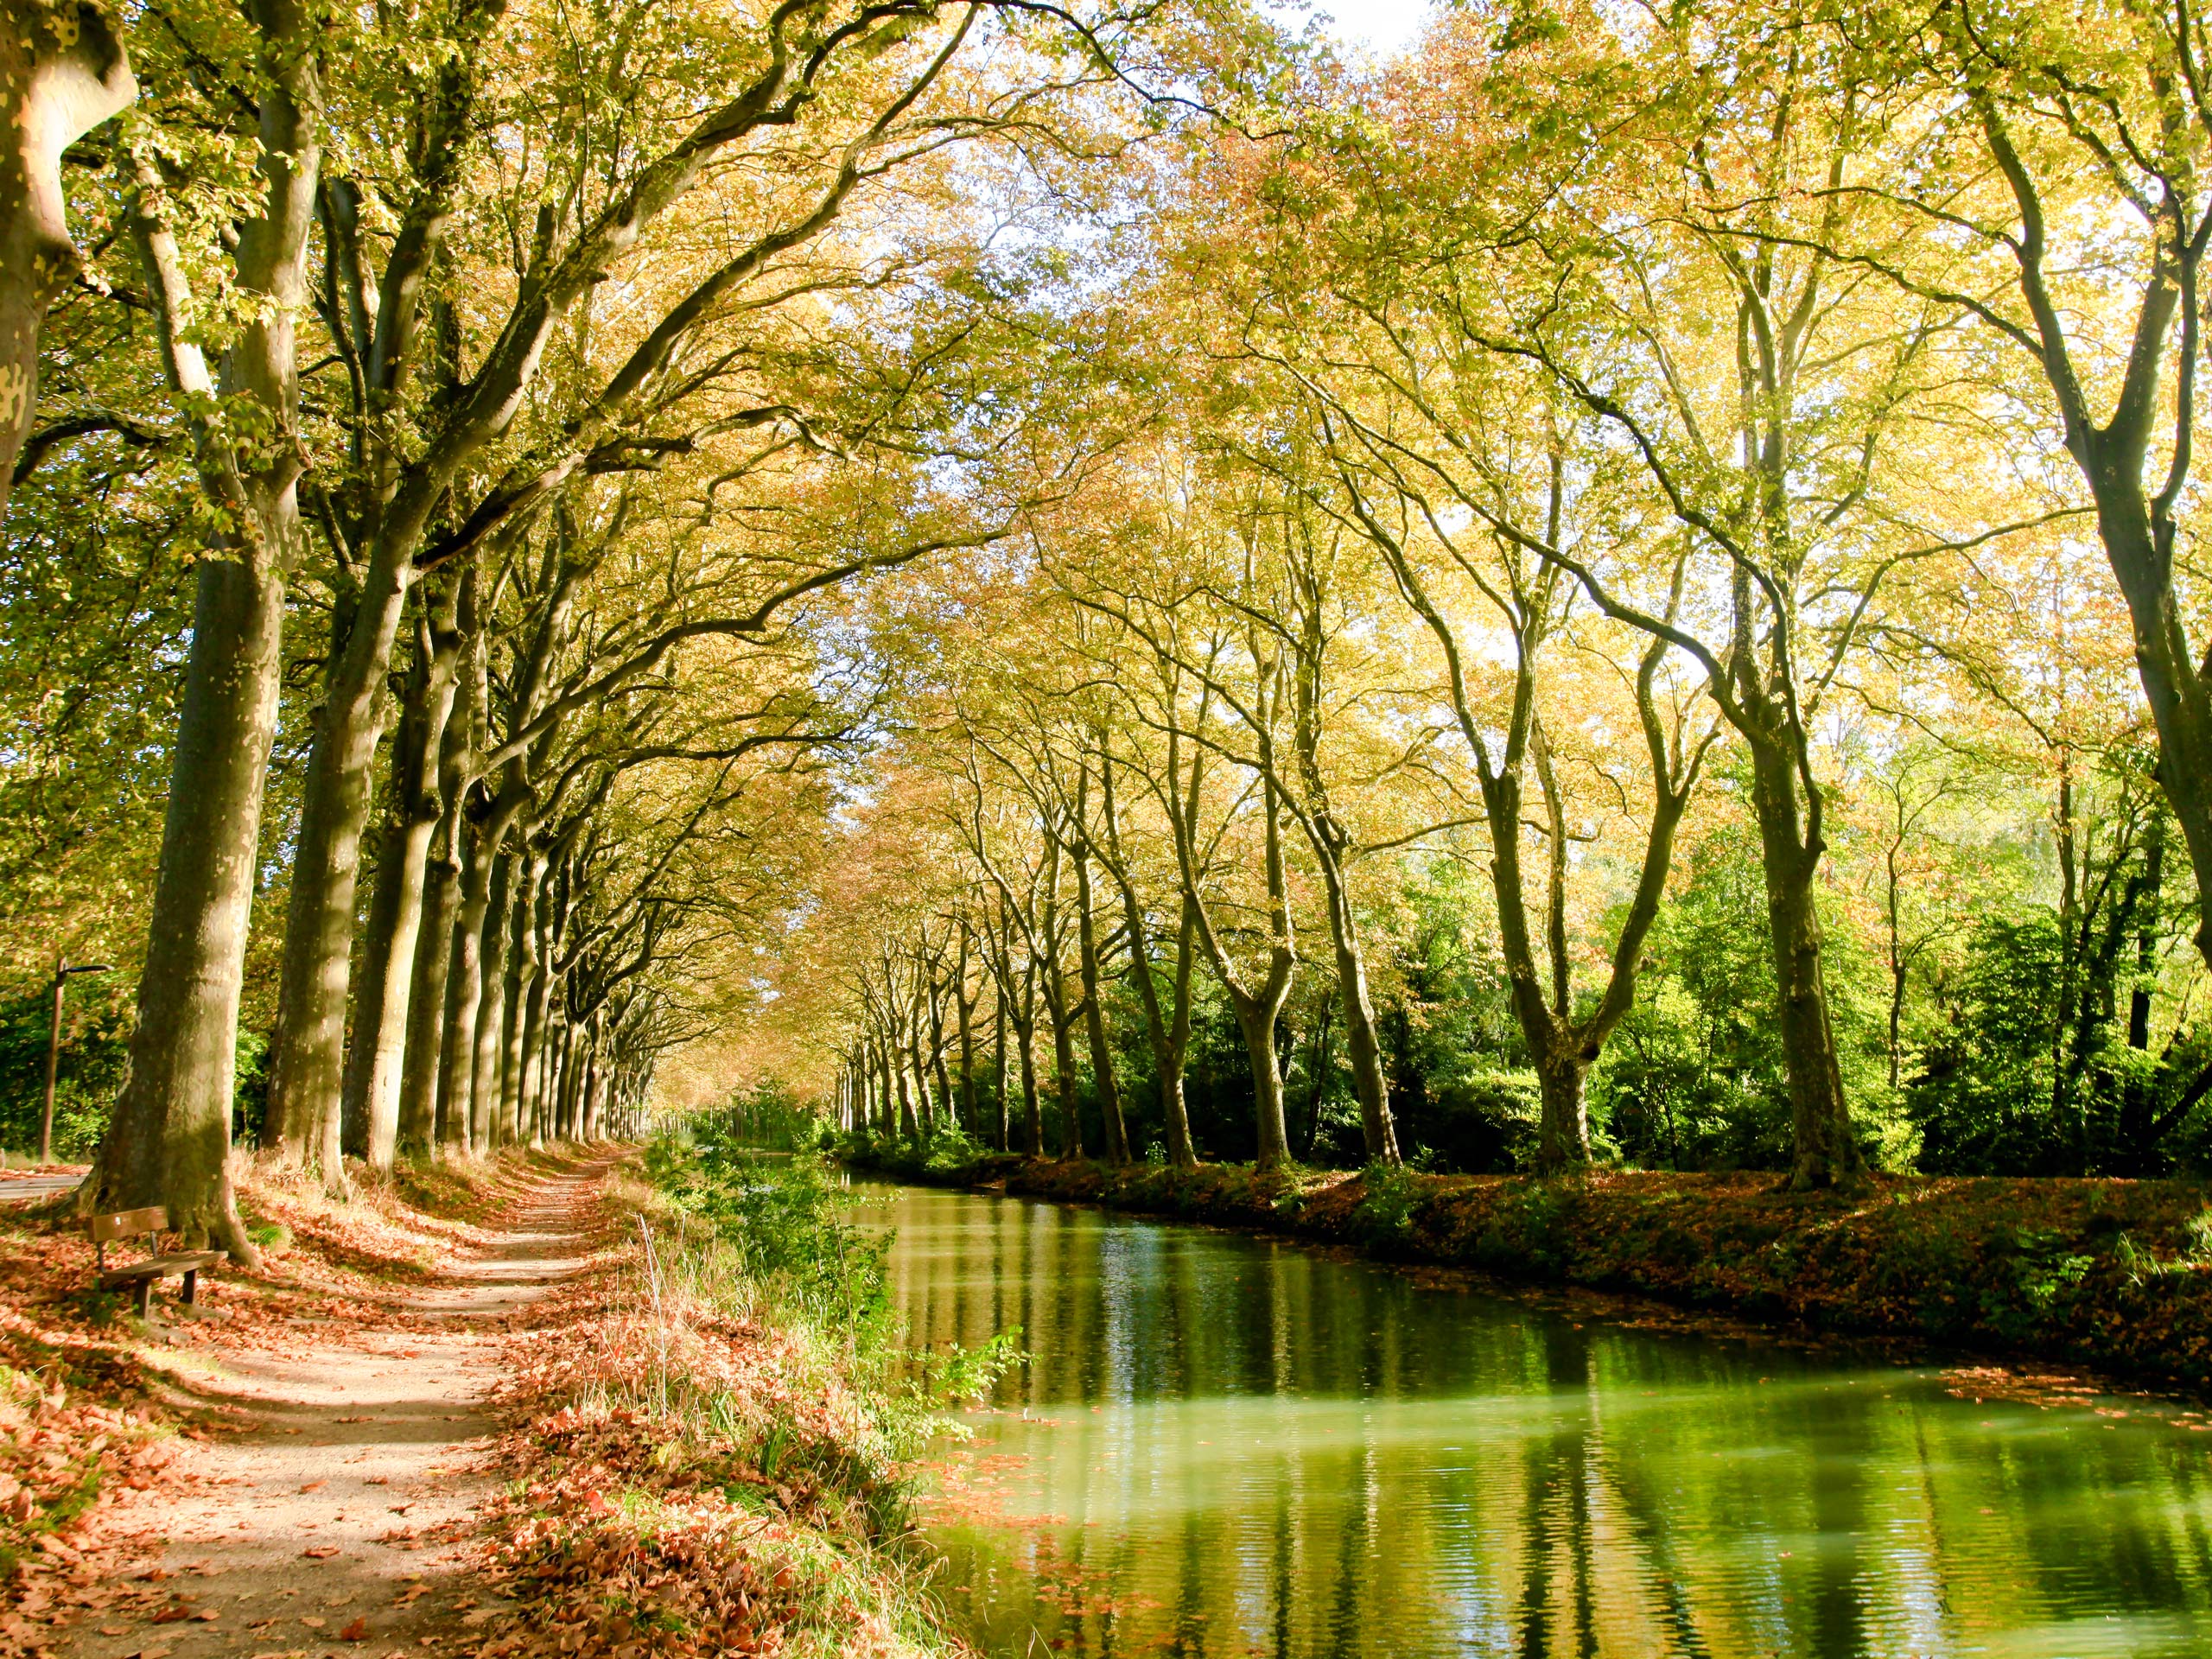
column 1227, row 1446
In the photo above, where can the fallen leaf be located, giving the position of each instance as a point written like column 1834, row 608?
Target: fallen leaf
column 315, row 1486
column 320, row 1551
column 357, row 1631
column 314, row 1621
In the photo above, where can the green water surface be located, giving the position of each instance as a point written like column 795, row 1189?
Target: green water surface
column 1229, row 1446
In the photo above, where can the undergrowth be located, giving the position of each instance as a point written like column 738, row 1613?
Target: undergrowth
column 723, row 1422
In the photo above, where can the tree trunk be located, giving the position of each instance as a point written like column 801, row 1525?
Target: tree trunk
column 368, row 1112
column 565, row 1081
column 169, row 1139
column 924, row 1097
column 521, row 979
column 594, row 1084
column 936, row 1058
column 1378, row 1132
column 1257, row 1010
column 168, row 1136
column 971, row 1112
column 549, row 1074
column 1033, row 1107
column 307, row 1050
column 420, row 1074
column 1256, row 1019
column 534, row 1019
column 464, row 992
column 1826, row 1151
column 2177, row 683
column 485, row 1091
column 998, row 1077
column 909, row 1127
column 62, row 72
column 470, row 1024
column 1094, row 1014
column 1167, row 1029
column 1063, row 1019
column 375, row 1057
column 1564, row 1137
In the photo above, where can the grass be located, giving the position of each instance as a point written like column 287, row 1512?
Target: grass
column 715, row 1431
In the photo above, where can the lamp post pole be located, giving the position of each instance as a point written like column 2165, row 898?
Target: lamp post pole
column 62, row 972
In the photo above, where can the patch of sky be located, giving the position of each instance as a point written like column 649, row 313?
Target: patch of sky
column 1381, row 28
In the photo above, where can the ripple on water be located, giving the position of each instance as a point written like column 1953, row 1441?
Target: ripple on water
column 1225, row 1445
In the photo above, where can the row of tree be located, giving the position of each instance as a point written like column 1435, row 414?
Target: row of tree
column 545, row 535
column 501, row 380
column 1591, row 425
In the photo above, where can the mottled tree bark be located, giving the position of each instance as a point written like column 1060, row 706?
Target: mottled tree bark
column 168, row 1136
column 376, row 1057
column 488, row 1129
column 1094, row 1005
column 63, row 71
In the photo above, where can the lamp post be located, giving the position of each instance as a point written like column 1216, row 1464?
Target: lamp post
column 62, row 972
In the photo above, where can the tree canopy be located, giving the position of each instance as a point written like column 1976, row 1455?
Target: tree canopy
column 1111, row 580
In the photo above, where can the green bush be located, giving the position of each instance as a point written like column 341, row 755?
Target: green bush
column 790, row 1221
column 1384, row 1217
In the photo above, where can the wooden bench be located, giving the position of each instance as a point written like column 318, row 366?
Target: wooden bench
column 143, row 1275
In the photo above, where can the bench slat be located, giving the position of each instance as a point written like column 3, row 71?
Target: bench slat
column 165, row 1266
column 127, row 1223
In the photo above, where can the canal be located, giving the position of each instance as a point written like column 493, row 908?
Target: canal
column 1226, row 1446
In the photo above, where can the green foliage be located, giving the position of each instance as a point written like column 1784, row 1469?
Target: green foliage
column 789, row 1221
column 784, row 1237
column 1982, row 1098
column 95, row 1051
column 1384, row 1217
column 1694, row 1077
column 771, row 1116
column 2035, row 1072
column 1463, row 1093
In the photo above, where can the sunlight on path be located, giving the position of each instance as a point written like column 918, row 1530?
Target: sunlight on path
column 331, row 1524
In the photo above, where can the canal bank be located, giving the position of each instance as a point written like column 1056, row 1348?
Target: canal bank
column 2112, row 1274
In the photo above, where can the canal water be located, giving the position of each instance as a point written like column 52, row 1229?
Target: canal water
column 1224, row 1446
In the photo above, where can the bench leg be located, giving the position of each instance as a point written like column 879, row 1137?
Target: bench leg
column 145, row 1299
column 191, row 1286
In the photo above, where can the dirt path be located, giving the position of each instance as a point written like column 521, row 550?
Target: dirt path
column 328, row 1525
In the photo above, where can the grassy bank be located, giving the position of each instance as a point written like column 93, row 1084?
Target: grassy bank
column 2113, row 1274
column 710, row 1432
